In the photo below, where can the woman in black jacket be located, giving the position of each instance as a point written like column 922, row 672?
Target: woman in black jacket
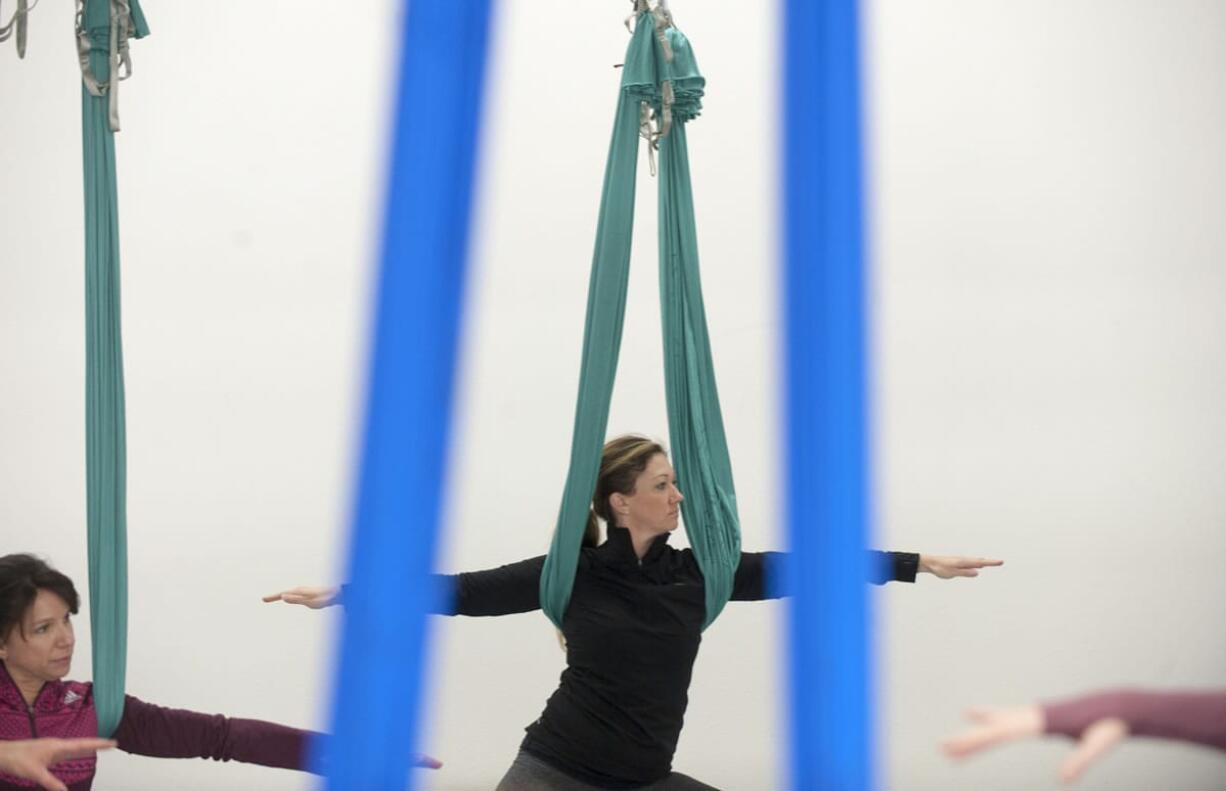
column 631, row 631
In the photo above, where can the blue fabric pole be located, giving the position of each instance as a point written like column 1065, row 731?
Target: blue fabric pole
column 825, row 363
column 377, row 697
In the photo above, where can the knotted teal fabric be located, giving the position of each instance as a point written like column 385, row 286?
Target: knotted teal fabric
column 105, row 444
column 673, row 89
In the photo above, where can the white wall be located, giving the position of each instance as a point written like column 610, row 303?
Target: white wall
column 1046, row 180
column 1052, row 367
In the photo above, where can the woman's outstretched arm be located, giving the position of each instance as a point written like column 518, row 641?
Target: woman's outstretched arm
column 506, row 590
column 161, row 732
column 759, row 574
column 1099, row 721
column 509, row 589
column 1198, row 717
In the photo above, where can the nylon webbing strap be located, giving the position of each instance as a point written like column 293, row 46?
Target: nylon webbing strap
column 105, row 27
column 17, row 26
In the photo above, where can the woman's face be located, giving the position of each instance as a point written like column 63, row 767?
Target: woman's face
column 41, row 647
column 655, row 503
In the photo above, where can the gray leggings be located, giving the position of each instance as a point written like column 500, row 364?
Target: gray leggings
column 529, row 773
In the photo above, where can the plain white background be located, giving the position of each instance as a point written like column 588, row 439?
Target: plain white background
column 1046, row 179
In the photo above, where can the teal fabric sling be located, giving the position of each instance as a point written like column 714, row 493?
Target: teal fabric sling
column 659, row 70
column 103, row 29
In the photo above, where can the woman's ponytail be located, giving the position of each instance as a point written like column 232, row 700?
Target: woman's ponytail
column 591, row 533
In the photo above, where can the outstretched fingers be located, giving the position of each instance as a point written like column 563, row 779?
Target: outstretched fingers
column 950, row 566
column 46, row 780
column 313, row 597
column 1096, row 741
column 291, row 595
column 982, row 714
column 32, row 758
column 67, row 749
column 969, row 567
column 972, row 741
column 993, row 727
column 977, row 563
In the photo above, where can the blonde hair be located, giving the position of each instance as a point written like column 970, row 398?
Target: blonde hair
column 624, row 458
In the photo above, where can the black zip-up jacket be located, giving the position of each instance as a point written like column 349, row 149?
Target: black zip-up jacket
column 632, row 632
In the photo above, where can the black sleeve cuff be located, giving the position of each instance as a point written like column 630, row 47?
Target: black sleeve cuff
column 906, row 566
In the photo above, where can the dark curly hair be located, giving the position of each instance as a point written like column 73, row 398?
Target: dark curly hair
column 21, row 578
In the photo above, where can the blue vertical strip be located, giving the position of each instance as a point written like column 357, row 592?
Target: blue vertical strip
column 826, row 433
column 377, row 696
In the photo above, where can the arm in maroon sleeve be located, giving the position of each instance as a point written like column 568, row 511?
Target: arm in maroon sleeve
column 175, row 733
column 1198, row 717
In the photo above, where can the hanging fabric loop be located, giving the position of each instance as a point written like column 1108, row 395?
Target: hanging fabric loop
column 105, row 427
column 660, row 77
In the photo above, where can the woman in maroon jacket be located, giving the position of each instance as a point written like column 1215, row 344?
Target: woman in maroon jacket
column 36, row 646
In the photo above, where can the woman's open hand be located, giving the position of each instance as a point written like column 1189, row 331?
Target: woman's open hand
column 948, row 566
column 32, row 758
column 426, row 762
column 315, row 598
column 1000, row 726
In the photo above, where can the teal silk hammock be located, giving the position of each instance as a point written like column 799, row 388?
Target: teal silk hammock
column 660, row 80
column 103, row 30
